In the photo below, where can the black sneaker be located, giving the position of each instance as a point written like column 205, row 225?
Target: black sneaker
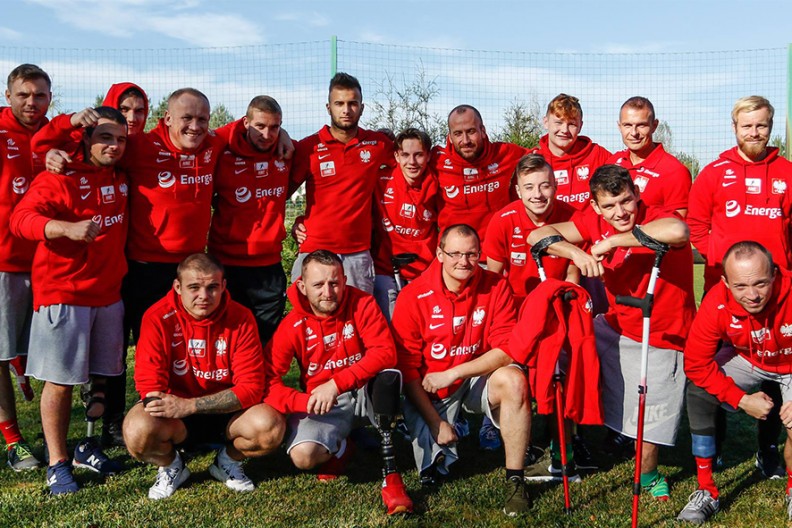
column 619, row 445
column 433, row 476
column 533, row 454
column 769, row 463
column 112, row 432
column 547, row 469
column 517, row 498
column 582, row 455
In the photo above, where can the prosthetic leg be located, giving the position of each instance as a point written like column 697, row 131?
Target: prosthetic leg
column 384, row 390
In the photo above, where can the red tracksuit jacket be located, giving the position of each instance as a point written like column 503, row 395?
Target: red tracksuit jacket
column 764, row 339
column 733, row 199
column 340, row 180
column 250, row 202
column 180, row 355
column 16, row 173
column 435, row 329
column 573, row 171
column 406, row 219
column 662, row 180
column 350, row 347
column 65, row 271
column 471, row 192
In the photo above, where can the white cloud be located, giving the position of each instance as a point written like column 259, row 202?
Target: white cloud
column 312, row 18
column 9, row 34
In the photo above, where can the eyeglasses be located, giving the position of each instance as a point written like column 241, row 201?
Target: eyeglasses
column 457, row 255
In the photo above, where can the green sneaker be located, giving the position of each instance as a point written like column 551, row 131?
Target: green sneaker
column 20, row 457
column 659, row 488
column 517, row 498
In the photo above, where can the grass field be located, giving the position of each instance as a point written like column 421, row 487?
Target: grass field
column 473, row 497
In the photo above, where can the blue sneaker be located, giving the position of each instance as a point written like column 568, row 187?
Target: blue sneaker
column 88, row 455
column 462, row 428
column 60, row 479
column 489, row 436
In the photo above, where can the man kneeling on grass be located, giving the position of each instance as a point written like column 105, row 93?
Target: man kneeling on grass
column 200, row 371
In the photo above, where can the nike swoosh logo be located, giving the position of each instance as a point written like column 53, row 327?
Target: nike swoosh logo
column 312, row 347
column 85, row 196
column 323, row 157
column 9, row 156
column 176, row 343
column 240, row 171
column 162, row 160
column 517, row 245
column 730, row 183
column 434, row 326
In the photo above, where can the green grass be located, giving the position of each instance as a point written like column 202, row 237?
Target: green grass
column 285, row 497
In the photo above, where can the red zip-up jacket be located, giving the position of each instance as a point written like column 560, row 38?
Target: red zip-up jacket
column 177, row 354
column 406, row 219
column 764, row 339
column 16, row 173
column 66, row 271
column 734, row 199
column 574, row 170
column 436, row 329
column 250, row 202
column 350, row 347
column 340, row 180
column 471, row 192
column 170, row 195
column 661, row 179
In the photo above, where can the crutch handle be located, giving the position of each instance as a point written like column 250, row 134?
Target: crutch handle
column 403, row 259
column 660, row 248
column 540, row 248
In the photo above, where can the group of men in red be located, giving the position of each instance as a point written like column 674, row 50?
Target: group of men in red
column 110, row 239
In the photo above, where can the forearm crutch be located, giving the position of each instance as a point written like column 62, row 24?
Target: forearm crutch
column 399, row 261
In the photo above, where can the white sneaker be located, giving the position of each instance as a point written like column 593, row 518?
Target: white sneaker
column 169, row 478
column 230, row 472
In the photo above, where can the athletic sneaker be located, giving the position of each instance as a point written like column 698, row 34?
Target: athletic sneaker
column 659, row 488
column 394, row 495
column 61, row 480
column 489, row 436
column 700, row 507
column 546, row 469
column 788, row 499
column 532, row 455
column 517, row 498
column 336, row 466
column 230, row 472
column 432, row 476
column 169, row 478
column 619, row 445
column 769, row 463
column 20, row 457
column 582, row 455
column 112, row 431
column 88, row 455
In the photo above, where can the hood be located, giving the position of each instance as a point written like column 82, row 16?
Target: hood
column 581, row 149
column 115, row 91
column 459, row 160
column 238, row 143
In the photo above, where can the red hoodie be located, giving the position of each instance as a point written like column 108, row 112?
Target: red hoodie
column 113, row 97
column 436, row 329
column 170, row 195
column 471, row 191
column 16, row 173
column 250, row 202
column 340, row 180
column 406, row 220
column 350, row 347
column 66, row 271
column 764, row 339
column 574, row 170
column 180, row 355
column 734, row 199
column 661, row 179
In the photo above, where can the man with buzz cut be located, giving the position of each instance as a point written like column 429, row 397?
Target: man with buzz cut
column 28, row 95
column 339, row 166
column 608, row 227
column 199, row 371
column 79, row 220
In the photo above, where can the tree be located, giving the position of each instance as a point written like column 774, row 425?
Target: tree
column 664, row 135
column 523, row 124
column 778, row 141
column 156, row 113
column 218, row 117
column 398, row 107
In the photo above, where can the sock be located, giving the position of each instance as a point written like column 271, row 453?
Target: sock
column 10, row 430
column 649, row 478
column 555, row 452
column 224, row 458
column 704, row 475
column 789, row 481
column 515, row 473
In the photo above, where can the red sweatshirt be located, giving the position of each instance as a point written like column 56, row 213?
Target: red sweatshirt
column 340, row 180
column 764, row 339
column 65, row 271
column 170, row 195
column 661, row 179
column 180, row 355
column 627, row 272
column 350, row 347
column 507, row 243
column 733, row 200
column 250, row 202
column 471, row 192
column 573, row 171
column 406, row 219
column 113, row 97
column 547, row 325
column 16, row 173
column 436, row 329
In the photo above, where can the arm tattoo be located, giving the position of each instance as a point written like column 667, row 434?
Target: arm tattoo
column 224, row 401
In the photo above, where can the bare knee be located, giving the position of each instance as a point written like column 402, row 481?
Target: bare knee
column 144, row 435
column 257, row 431
column 508, row 384
column 308, row 455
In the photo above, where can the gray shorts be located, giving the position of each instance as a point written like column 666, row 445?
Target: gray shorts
column 329, row 430
column 16, row 311
column 749, row 377
column 385, row 294
column 471, row 396
column 68, row 344
column 620, row 374
column 358, row 268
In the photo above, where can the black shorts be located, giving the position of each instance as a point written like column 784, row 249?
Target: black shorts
column 262, row 289
column 206, row 429
column 145, row 284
